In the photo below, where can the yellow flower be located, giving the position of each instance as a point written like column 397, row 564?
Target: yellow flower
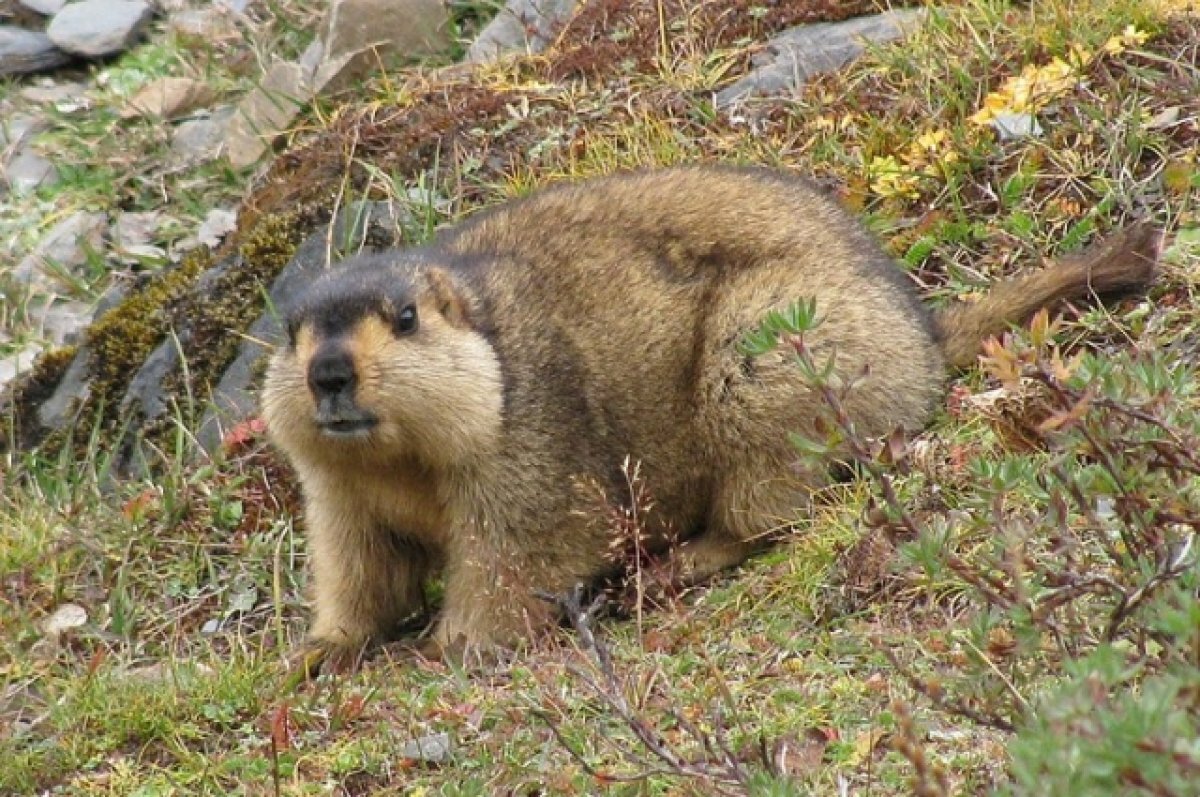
column 1033, row 88
column 931, row 141
column 1130, row 37
column 889, row 178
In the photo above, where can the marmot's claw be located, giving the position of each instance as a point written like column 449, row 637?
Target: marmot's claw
column 316, row 657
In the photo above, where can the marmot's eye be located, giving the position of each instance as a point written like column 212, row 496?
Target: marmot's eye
column 293, row 327
column 406, row 320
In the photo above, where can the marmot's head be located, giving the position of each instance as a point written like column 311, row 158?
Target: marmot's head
column 382, row 362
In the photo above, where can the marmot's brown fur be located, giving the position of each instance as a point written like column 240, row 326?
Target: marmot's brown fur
column 441, row 404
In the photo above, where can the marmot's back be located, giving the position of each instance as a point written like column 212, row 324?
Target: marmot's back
column 650, row 279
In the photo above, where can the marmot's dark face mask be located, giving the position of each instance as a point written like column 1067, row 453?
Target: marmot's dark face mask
column 381, row 359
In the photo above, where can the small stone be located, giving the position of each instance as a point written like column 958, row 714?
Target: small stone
column 18, row 362
column 161, row 672
column 216, row 225
column 1167, row 117
column 432, row 749
column 61, row 322
column 95, row 28
column 236, row 6
column 66, row 617
column 16, row 128
column 23, row 51
column 65, row 247
column 134, row 229
column 200, row 139
column 1010, row 126
column 311, row 59
column 132, row 233
column 47, row 8
column 524, row 26
column 211, row 24
column 168, row 98
column 71, row 393
column 357, row 33
column 52, row 93
column 28, row 171
column 264, row 113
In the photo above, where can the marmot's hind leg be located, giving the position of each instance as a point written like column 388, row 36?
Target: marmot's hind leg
column 752, row 506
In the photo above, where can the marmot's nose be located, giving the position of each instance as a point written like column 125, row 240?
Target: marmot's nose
column 331, row 373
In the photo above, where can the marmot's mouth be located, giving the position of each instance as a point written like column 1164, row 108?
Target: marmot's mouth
column 348, row 427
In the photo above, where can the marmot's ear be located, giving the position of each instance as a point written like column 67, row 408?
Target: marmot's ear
column 448, row 297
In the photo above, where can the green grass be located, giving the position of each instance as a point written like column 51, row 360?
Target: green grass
column 846, row 662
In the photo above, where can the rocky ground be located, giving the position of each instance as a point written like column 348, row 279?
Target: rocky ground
column 167, row 182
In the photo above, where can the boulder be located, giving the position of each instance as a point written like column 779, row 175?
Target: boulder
column 95, row 28
column 792, row 57
column 23, row 51
column 522, row 26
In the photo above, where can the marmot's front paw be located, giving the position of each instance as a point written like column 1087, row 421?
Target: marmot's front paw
column 316, row 656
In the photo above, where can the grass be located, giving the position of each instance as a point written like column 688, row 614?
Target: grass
column 859, row 656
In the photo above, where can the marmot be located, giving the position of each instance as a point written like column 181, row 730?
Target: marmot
column 441, row 404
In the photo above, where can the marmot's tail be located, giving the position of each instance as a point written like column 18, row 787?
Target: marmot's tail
column 1122, row 263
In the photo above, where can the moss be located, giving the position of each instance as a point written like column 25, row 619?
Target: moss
column 122, row 338
column 119, row 342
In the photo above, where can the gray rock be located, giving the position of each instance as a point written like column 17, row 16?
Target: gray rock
column 65, row 247
column 47, row 8
column 357, row 33
column 27, row 171
column 132, row 234
column 144, row 397
column 213, row 23
column 264, row 114
column 432, row 749
column 311, row 59
column 61, row 322
column 95, row 28
column 23, row 51
column 59, row 411
column 18, row 363
column 16, row 128
column 198, row 140
column 52, row 92
column 73, row 389
column 522, row 26
column 368, row 225
column 216, row 225
column 1009, row 126
column 795, row 55
column 134, row 229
